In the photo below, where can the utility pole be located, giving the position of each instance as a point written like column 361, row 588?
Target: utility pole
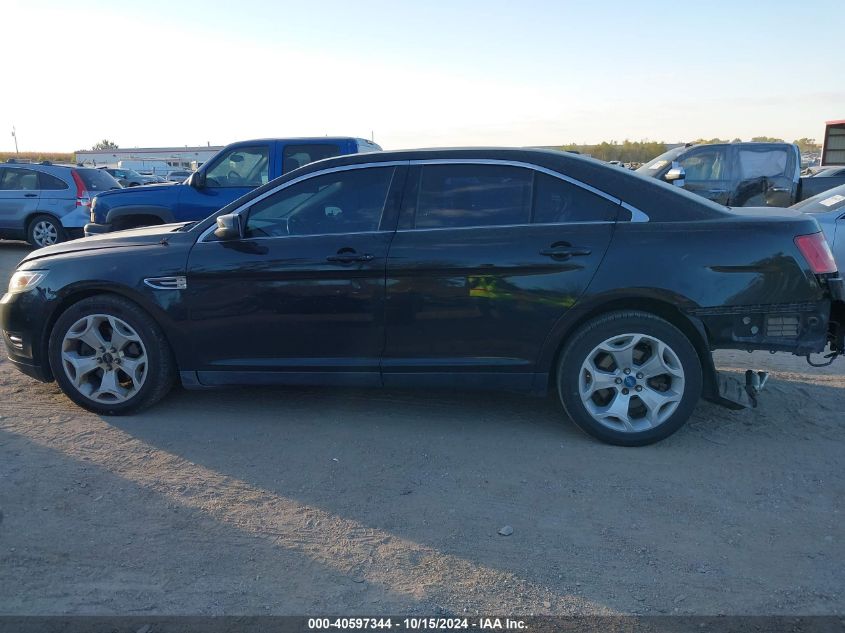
column 15, row 136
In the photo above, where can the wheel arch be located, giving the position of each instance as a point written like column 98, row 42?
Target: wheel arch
column 664, row 306
column 76, row 295
column 125, row 215
column 31, row 216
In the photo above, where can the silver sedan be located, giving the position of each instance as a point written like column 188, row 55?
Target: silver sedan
column 828, row 208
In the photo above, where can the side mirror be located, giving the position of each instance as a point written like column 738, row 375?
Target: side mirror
column 229, row 227
column 676, row 176
column 197, row 180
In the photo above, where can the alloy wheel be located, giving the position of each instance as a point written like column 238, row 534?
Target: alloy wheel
column 45, row 233
column 631, row 382
column 104, row 358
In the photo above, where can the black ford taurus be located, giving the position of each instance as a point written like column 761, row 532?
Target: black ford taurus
column 524, row 270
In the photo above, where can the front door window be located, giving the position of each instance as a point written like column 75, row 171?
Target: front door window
column 240, row 167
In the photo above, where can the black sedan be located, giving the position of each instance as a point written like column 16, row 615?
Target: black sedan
column 525, row 270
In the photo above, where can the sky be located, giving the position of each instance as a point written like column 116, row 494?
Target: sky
column 415, row 74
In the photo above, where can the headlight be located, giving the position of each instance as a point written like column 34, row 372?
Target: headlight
column 25, row 280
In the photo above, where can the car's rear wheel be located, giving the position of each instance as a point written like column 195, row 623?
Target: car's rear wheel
column 45, row 230
column 110, row 357
column 629, row 378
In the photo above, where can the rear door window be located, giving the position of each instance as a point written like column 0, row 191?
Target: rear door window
column 557, row 201
column 766, row 163
column 295, row 156
column 17, row 179
column 457, row 196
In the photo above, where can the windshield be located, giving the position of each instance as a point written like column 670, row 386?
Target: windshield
column 656, row 164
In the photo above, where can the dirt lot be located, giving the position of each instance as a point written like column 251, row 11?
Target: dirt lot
column 307, row 501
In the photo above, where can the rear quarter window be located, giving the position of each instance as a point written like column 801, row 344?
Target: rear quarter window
column 48, row 182
column 557, row 201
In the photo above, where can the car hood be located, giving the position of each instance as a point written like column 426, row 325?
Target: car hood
column 144, row 236
column 138, row 192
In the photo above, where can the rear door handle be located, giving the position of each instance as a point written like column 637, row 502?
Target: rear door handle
column 349, row 258
column 565, row 252
column 30, row 195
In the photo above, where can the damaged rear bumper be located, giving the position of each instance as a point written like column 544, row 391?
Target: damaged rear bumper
column 796, row 328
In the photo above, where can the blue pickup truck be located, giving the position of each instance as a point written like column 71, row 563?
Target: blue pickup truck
column 233, row 171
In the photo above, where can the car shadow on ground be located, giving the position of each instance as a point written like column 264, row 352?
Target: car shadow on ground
column 449, row 469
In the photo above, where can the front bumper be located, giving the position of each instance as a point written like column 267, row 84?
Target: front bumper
column 23, row 329
column 39, row 372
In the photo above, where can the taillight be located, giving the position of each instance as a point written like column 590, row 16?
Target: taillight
column 82, row 199
column 815, row 250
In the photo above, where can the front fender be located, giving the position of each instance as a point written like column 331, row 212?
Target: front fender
column 162, row 213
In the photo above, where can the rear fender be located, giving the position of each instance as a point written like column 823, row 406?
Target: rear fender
column 667, row 305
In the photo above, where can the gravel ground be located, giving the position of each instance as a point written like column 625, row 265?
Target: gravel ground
column 307, row 501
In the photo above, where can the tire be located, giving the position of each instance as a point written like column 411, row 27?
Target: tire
column 44, row 230
column 110, row 357
column 636, row 408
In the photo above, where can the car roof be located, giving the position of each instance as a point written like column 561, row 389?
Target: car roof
column 303, row 139
column 45, row 166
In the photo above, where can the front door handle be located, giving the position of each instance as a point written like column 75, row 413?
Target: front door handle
column 30, row 195
column 564, row 252
column 349, row 258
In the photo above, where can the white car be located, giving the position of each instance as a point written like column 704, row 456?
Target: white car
column 178, row 175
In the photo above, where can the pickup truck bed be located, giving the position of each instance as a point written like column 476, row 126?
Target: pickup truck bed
column 809, row 187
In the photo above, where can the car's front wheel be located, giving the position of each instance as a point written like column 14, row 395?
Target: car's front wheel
column 109, row 356
column 629, row 378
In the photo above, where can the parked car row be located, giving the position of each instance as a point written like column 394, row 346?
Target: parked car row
column 524, row 270
column 131, row 178
column 45, row 203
